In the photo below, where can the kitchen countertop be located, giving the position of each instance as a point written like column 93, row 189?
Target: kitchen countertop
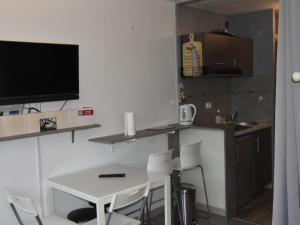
column 210, row 127
column 116, row 138
column 251, row 129
column 237, row 133
column 112, row 139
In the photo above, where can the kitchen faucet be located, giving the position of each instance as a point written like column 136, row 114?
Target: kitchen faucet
column 234, row 116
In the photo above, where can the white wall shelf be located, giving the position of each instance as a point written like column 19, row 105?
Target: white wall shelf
column 111, row 140
column 37, row 134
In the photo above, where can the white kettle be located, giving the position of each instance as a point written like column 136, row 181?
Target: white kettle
column 186, row 116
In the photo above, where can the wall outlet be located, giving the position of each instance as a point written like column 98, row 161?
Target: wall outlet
column 208, row 105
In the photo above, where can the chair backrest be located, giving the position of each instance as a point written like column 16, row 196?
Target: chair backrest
column 128, row 197
column 23, row 204
column 160, row 162
column 190, row 155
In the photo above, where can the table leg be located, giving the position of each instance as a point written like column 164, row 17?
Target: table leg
column 100, row 212
column 167, row 190
column 48, row 203
column 174, row 143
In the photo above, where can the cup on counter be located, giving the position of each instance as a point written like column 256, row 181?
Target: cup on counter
column 129, row 124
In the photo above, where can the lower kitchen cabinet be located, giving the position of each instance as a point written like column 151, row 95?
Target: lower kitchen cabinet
column 244, row 169
column 253, row 164
column 262, row 159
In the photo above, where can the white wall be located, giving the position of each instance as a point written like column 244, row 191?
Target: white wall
column 127, row 63
column 213, row 160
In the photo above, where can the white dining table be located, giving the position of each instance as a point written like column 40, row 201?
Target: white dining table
column 88, row 186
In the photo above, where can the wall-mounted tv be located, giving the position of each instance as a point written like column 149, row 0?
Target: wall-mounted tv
column 38, row 72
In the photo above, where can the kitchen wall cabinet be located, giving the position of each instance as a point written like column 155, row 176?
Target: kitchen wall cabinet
column 224, row 55
column 253, row 164
column 227, row 55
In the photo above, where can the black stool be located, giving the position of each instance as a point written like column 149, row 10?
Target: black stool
column 84, row 214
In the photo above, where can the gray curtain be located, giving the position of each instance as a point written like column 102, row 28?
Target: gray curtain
column 286, row 208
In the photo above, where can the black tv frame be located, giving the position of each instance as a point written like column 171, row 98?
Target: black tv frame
column 44, row 97
column 37, row 99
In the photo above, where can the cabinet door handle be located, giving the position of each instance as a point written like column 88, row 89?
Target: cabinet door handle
column 257, row 145
column 237, row 154
column 219, row 63
column 234, row 63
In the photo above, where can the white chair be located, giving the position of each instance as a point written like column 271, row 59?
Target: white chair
column 25, row 204
column 190, row 159
column 162, row 163
column 124, row 199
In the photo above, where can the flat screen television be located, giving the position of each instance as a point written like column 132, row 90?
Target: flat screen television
column 38, row 72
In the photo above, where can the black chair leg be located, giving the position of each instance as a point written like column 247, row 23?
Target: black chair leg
column 178, row 204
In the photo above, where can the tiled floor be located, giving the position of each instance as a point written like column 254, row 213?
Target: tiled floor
column 259, row 210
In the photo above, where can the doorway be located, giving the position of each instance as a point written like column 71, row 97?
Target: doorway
column 253, row 97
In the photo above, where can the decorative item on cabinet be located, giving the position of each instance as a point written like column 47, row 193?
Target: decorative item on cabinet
column 192, row 61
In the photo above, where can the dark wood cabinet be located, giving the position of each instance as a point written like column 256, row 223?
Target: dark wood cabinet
column 262, row 159
column 244, row 169
column 243, row 55
column 217, row 55
column 253, row 164
column 227, row 55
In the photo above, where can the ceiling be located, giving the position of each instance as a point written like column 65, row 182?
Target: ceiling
column 233, row 7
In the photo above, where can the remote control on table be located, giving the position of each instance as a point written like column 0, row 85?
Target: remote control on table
column 112, row 175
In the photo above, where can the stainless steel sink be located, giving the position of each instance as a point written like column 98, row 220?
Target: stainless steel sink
column 243, row 125
column 239, row 127
column 240, row 123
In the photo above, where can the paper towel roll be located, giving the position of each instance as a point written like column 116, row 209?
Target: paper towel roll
column 129, row 124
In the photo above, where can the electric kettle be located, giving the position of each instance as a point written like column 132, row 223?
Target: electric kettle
column 186, row 116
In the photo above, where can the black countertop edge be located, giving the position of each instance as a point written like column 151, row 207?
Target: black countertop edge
column 224, row 127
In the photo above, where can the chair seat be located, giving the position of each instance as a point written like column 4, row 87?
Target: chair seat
column 177, row 165
column 55, row 220
column 117, row 219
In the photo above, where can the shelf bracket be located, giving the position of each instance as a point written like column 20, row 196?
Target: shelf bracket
column 151, row 140
column 73, row 136
column 110, row 147
column 131, row 141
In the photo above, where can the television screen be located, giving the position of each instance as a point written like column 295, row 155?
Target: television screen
column 38, row 72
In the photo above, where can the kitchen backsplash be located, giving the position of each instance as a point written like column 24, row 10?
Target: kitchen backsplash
column 212, row 90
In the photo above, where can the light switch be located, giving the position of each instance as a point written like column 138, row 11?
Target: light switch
column 208, row 105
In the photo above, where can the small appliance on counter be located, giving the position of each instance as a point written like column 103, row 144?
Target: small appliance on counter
column 186, row 116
